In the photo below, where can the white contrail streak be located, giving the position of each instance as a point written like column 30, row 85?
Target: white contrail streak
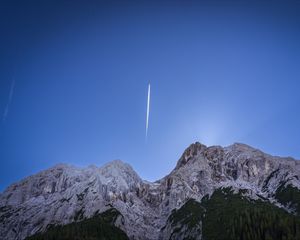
column 11, row 92
column 148, row 110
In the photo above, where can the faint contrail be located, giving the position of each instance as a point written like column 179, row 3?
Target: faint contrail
column 11, row 92
column 148, row 110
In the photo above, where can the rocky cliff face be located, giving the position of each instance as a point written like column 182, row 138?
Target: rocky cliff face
column 64, row 194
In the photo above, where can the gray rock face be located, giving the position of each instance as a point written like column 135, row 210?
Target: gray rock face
column 64, row 193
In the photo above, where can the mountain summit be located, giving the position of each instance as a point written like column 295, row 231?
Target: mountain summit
column 179, row 206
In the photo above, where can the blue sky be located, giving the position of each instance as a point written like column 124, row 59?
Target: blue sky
column 74, row 81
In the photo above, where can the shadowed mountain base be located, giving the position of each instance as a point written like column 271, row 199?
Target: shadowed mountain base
column 98, row 227
column 226, row 215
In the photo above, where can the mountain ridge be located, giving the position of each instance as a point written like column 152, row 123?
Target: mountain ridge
column 64, row 194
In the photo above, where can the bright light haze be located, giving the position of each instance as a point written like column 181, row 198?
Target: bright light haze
column 74, row 78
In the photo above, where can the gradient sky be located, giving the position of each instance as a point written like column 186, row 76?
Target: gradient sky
column 74, row 75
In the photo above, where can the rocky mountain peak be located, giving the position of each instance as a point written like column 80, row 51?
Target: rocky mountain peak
column 191, row 152
column 117, row 164
column 119, row 174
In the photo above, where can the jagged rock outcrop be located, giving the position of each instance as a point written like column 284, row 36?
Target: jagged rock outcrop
column 64, row 194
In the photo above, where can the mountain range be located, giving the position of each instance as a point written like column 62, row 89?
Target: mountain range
column 234, row 192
